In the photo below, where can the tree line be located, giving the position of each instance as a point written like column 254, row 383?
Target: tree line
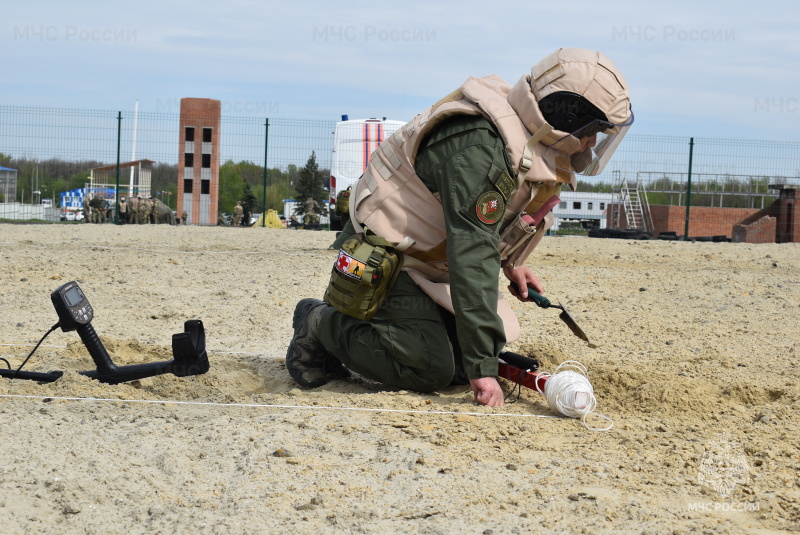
column 238, row 181
column 244, row 181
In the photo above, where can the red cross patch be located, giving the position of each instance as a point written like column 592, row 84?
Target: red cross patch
column 349, row 266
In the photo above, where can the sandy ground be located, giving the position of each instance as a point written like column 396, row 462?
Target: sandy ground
column 694, row 356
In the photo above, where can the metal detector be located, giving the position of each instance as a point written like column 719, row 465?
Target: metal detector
column 76, row 314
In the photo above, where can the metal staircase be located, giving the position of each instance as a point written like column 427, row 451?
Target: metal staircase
column 634, row 201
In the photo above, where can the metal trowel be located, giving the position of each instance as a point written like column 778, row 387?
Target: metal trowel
column 565, row 316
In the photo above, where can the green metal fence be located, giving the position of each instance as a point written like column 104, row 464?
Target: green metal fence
column 46, row 152
column 55, row 151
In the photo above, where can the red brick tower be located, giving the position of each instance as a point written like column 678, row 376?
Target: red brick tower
column 198, row 160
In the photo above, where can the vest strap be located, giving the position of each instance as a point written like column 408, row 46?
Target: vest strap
column 527, row 154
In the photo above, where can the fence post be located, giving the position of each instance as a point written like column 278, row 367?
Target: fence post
column 116, row 190
column 689, row 188
column 264, row 196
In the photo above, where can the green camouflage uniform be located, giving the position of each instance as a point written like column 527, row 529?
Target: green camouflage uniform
column 98, row 209
column 311, row 213
column 413, row 343
column 144, row 207
column 238, row 213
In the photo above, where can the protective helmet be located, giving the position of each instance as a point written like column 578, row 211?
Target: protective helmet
column 579, row 93
column 584, row 92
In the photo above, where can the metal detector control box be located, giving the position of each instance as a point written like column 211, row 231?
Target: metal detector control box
column 72, row 307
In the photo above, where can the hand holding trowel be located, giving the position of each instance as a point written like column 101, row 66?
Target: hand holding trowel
column 565, row 316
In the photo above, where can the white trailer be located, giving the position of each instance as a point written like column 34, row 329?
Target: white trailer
column 353, row 143
column 590, row 209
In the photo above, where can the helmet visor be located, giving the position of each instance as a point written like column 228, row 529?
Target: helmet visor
column 599, row 139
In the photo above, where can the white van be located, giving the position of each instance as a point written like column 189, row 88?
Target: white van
column 353, row 143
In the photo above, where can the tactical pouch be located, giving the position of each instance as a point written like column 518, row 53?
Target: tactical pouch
column 516, row 233
column 343, row 201
column 363, row 275
column 524, row 233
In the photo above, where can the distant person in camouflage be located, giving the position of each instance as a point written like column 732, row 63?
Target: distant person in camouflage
column 141, row 214
column 153, row 211
column 123, row 210
column 98, row 209
column 311, row 212
column 247, row 214
column 238, row 213
column 184, row 218
column 133, row 209
column 87, row 210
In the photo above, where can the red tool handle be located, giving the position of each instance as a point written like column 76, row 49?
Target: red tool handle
column 532, row 380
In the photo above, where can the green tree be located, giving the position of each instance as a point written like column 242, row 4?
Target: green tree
column 249, row 197
column 294, row 174
column 309, row 183
column 163, row 177
column 78, row 180
column 279, row 187
column 231, row 186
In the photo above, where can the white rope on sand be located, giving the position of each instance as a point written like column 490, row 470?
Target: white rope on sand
column 567, row 392
column 274, row 406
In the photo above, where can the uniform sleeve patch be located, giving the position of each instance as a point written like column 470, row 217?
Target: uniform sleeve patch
column 503, row 182
column 490, row 207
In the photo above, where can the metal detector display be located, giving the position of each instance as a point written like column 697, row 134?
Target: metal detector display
column 72, row 307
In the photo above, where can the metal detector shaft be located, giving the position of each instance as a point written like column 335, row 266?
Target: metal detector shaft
column 189, row 350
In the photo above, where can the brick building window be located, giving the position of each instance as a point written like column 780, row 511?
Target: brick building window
column 206, row 161
column 205, row 187
column 190, row 133
column 206, row 135
column 188, row 160
column 187, row 186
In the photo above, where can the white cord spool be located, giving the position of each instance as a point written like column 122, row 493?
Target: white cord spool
column 569, row 392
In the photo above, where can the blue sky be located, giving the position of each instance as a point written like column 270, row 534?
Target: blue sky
column 714, row 69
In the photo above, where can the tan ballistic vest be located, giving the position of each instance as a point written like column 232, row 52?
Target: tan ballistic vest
column 390, row 198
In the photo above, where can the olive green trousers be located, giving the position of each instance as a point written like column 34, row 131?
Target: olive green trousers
column 406, row 344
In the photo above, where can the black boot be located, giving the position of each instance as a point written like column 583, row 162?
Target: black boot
column 306, row 358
